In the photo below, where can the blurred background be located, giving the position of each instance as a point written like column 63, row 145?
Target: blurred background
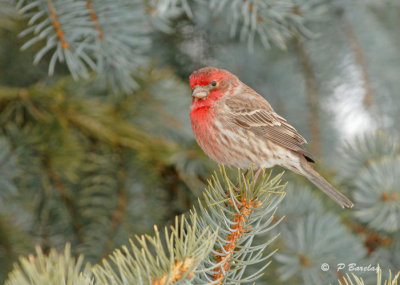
column 95, row 138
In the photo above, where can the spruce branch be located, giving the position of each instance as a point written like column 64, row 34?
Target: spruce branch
column 377, row 195
column 237, row 219
column 167, row 9
column 111, row 37
column 94, row 18
column 119, row 211
column 386, row 255
column 309, row 242
column 50, row 20
column 224, row 255
column 272, row 22
column 8, row 169
column 160, row 260
column 299, row 202
column 178, row 272
column 95, row 118
column 66, row 198
column 108, row 37
column 240, row 211
column 359, row 59
column 373, row 240
column 121, row 47
column 365, row 150
column 50, row 269
column 100, row 194
column 215, row 247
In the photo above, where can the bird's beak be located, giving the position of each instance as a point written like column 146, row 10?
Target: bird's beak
column 200, row 92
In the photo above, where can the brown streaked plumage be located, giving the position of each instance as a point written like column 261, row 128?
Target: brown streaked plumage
column 259, row 117
column 236, row 126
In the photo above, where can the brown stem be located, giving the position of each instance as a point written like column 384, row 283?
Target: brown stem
column 178, row 271
column 56, row 25
column 373, row 240
column 312, row 98
column 341, row 277
column 360, row 61
column 94, row 19
column 238, row 230
column 119, row 211
column 65, row 198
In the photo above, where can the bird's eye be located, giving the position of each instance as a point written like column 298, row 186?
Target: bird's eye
column 214, row 83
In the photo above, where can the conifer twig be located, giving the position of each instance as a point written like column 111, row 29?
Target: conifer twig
column 177, row 273
column 245, row 207
column 312, row 98
column 66, row 198
column 373, row 240
column 360, row 61
column 120, row 209
column 56, row 24
column 94, row 18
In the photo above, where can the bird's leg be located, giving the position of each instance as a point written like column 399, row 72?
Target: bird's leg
column 236, row 189
column 244, row 176
column 257, row 174
column 237, row 185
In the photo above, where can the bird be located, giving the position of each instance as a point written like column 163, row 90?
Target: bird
column 237, row 127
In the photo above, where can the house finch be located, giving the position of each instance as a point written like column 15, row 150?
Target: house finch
column 236, row 126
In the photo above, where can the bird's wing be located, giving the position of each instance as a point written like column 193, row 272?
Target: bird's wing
column 251, row 111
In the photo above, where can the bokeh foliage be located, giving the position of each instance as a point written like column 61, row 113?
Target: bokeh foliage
column 102, row 150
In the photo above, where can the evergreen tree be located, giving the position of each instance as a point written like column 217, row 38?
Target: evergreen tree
column 96, row 147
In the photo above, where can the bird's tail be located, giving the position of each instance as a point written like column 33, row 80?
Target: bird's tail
column 314, row 177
